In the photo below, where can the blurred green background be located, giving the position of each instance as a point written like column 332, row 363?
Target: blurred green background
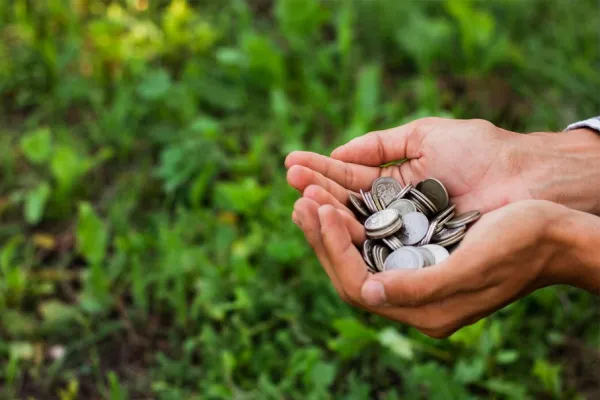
column 146, row 245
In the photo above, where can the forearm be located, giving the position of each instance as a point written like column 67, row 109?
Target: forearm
column 577, row 261
column 562, row 167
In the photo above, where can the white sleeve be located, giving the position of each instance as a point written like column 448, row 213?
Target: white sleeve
column 592, row 123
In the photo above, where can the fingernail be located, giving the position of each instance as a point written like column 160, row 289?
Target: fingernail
column 373, row 293
column 296, row 219
column 323, row 209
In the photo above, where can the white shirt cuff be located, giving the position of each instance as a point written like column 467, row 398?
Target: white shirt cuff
column 592, row 123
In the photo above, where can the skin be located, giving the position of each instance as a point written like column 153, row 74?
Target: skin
column 482, row 166
column 522, row 243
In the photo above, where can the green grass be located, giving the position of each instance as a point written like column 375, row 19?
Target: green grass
column 145, row 219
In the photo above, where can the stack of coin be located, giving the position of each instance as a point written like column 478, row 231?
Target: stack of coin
column 410, row 227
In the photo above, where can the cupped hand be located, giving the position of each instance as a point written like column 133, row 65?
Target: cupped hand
column 507, row 254
column 477, row 161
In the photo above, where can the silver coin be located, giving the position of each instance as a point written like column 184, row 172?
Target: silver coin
column 446, row 212
column 395, row 241
column 372, row 202
column 404, row 191
column 378, row 266
column 380, row 254
column 403, row 206
column 358, row 205
column 381, row 220
column 463, row 219
column 374, row 253
column 384, row 253
column 368, row 200
column 420, row 207
column 428, row 256
column 377, row 202
column 386, row 231
column 404, row 258
column 435, row 191
column 388, row 243
column 367, row 250
column 430, row 232
column 448, row 233
column 392, row 242
column 385, row 189
column 417, row 195
column 439, row 252
column 452, row 240
column 447, row 218
column 414, row 228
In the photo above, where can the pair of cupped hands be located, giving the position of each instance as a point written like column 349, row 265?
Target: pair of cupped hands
column 515, row 248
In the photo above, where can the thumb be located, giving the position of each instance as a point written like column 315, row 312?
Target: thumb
column 380, row 147
column 415, row 288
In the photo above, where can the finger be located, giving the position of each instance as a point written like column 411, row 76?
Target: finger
column 405, row 173
column 411, row 171
column 380, row 147
column 306, row 213
column 307, row 216
column 323, row 197
column 351, row 272
column 415, row 288
column 350, row 176
column 301, row 177
column 345, row 258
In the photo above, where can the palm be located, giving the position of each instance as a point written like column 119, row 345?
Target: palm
column 470, row 157
column 472, row 164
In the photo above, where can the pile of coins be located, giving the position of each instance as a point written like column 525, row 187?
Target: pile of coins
column 408, row 228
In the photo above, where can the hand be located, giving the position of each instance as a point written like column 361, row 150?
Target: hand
column 507, row 254
column 474, row 159
column 483, row 167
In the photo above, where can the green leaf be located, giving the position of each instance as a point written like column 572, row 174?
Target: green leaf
column 511, row 390
column 507, row 356
column 549, row 375
column 92, row 235
column 353, row 337
column 265, row 60
column 280, row 105
column 37, row 145
column 230, row 57
column 9, row 252
column 435, row 383
column 469, row 371
column 469, row 334
column 155, row 85
column 322, row 375
column 66, row 166
column 18, row 324
column 246, row 197
column 299, row 20
column 367, row 95
column 397, row 343
column 21, row 350
column 55, row 312
column 35, row 203
column 96, row 296
column 284, row 249
column 117, row 391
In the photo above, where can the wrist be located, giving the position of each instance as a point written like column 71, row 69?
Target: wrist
column 562, row 167
column 575, row 236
